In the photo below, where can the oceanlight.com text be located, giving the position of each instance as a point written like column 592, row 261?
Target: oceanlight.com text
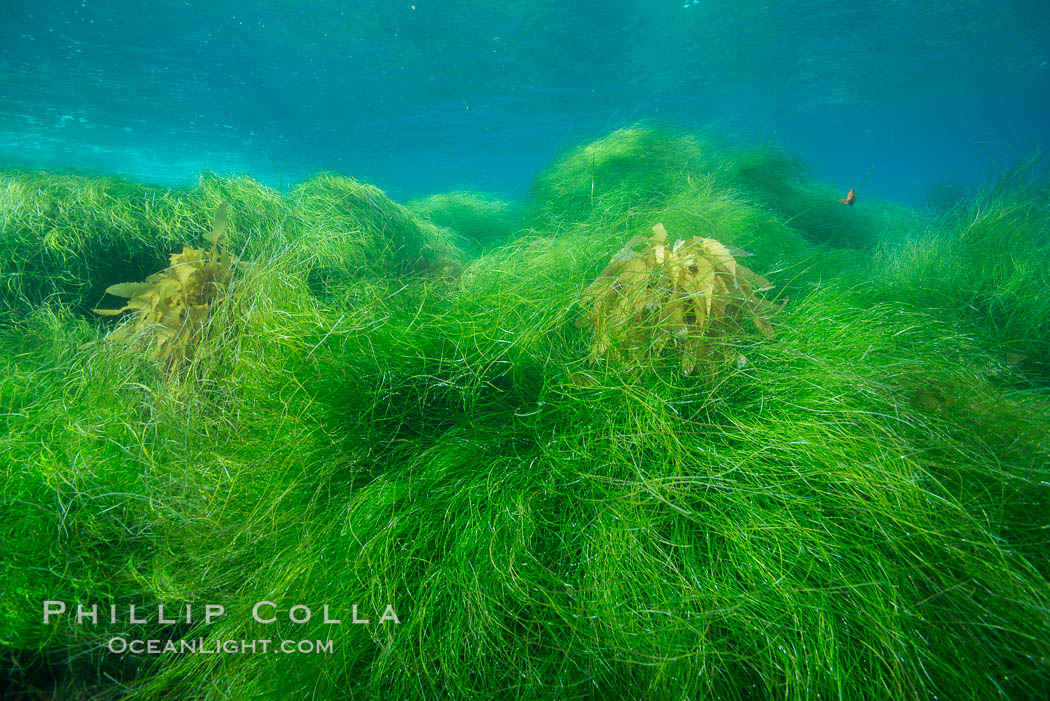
column 200, row 646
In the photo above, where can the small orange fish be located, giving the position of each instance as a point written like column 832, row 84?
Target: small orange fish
column 850, row 198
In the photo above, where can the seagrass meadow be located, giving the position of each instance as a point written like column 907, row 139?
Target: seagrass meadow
column 398, row 405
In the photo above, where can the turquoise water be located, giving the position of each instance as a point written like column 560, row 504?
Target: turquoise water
column 426, row 97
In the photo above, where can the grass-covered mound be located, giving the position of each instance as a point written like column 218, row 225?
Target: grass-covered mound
column 353, row 228
column 629, row 170
column 782, row 183
column 66, row 237
column 623, row 183
column 859, row 510
column 633, row 170
column 989, row 259
column 482, row 220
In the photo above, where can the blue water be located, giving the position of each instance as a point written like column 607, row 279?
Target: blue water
column 482, row 94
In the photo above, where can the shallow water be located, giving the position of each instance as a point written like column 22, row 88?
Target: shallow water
column 430, row 96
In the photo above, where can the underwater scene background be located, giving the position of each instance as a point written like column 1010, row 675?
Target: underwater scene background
column 591, row 350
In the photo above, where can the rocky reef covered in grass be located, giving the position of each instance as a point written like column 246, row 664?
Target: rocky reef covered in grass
column 399, row 406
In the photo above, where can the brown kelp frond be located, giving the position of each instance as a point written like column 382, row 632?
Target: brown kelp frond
column 172, row 307
column 692, row 296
